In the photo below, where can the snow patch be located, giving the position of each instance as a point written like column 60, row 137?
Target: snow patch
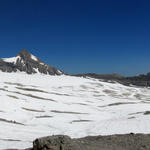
column 37, row 70
column 33, row 57
column 59, row 71
column 11, row 60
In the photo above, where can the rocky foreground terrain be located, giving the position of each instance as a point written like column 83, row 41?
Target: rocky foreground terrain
column 113, row 142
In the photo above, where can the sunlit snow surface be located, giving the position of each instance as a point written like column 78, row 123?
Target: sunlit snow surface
column 11, row 60
column 33, row 106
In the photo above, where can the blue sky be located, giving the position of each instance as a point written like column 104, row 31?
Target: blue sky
column 79, row 36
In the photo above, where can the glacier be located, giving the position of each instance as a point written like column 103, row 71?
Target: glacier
column 38, row 105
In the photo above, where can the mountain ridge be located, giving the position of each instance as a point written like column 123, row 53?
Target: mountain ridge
column 140, row 80
column 26, row 62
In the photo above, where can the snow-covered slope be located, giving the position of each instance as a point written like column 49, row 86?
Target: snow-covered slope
column 37, row 105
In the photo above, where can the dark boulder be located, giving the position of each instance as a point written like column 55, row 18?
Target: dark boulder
column 58, row 142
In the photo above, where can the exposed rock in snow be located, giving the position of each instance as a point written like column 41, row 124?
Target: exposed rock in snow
column 26, row 62
column 112, row 142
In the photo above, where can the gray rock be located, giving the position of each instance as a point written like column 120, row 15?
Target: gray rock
column 58, row 142
column 112, row 142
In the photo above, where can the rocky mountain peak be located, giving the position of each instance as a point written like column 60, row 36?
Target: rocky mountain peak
column 26, row 62
column 24, row 54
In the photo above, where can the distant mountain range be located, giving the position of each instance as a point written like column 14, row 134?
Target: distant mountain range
column 26, row 62
column 140, row 80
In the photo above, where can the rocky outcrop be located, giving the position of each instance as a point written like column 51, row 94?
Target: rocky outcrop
column 112, row 142
column 56, row 143
column 26, row 62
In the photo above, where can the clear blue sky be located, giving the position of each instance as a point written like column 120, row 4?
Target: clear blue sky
column 79, row 36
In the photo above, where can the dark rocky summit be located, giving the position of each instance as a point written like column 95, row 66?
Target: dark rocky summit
column 112, row 142
column 26, row 62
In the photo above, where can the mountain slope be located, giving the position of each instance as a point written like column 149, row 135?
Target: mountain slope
column 42, row 105
column 140, row 80
column 26, row 62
